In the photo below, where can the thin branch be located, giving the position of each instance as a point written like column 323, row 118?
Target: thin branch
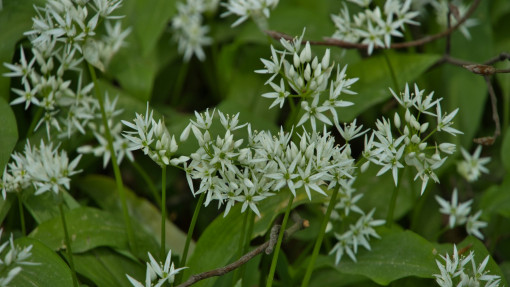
column 266, row 246
column 349, row 45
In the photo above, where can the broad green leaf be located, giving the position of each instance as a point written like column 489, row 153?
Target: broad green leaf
column 375, row 79
column 144, row 215
column 396, row 255
column 473, row 244
column 15, row 19
column 50, row 269
column 88, row 228
column 148, row 19
column 377, row 191
column 505, row 150
column 496, row 199
column 5, row 206
column 43, row 207
column 106, row 268
column 8, row 132
column 222, row 235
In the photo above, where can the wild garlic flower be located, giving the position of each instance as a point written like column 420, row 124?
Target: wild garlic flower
column 472, row 166
column 158, row 272
column 410, row 144
column 358, row 234
column 42, row 166
column 120, row 143
column 11, row 257
column 63, row 34
column 232, row 171
column 316, row 83
column 458, row 214
column 189, row 30
column 441, row 9
column 244, row 9
column 69, row 23
column 152, row 138
column 374, row 27
column 453, row 271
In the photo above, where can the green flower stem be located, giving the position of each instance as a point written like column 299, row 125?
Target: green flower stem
column 115, row 165
column 179, row 83
column 34, row 122
column 21, row 215
column 148, row 181
column 318, row 242
column 189, row 236
column 68, row 243
column 279, row 242
column 251, row 224
column 392, row 72
column 163, row 212
column 240, row 248
column 393, row 201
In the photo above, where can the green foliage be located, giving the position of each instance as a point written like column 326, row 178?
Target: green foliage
column 149, row 70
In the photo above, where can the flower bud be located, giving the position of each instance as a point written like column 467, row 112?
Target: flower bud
column 424, row 127
column 422, row 146
column 315, row 63
column 296, row 60
column 396, row 120
column 325, row 59
column 308, row 72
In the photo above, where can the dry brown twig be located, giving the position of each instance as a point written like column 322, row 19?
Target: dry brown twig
column 349, row 45
column 266, row 247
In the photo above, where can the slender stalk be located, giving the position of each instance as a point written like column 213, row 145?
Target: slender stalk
column 21, row 214
column 34, row 122
column 115, row 165
column 394, row 79
column 318, row 242
column 279, row 242
column 68, row 245
column 240, row 248
column 393, row 201
column 148, row 181
column 163, row 211
column 179, row 83
column 189, row 236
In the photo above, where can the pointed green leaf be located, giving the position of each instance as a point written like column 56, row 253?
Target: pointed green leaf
column 396, row 255
column 107, row 268
column 50, row 269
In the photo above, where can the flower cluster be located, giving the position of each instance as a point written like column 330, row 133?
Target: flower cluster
column 152, row 138
column 188, row 28
column 458, row 214
column 256, row 9
column 441, row 8
column 62, row 35
column 120, row 143
column 454, row 273
column 12, row 256
column 44, row 167
column 157, row 271
column 410, row 145
column 231, row 172
column 358, row 234
column 308, row 79
column 472, row 166
column 374, row 27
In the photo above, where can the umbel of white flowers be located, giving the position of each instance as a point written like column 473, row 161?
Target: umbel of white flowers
column 453, row 272
column 231, row 170
column 158, row 273
column 308, row 78
column 14, row 258
column 42, row 166
column 63, row 34
column 411, row 144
